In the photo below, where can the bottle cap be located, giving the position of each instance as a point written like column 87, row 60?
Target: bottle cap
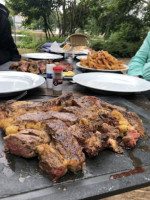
column 58, row 69
column 49, row 68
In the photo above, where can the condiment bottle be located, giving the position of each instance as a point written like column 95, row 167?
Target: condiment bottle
column 57, row 80
column 49, row 75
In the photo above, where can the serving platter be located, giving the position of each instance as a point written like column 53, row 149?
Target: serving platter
column 42, row 56
column 100, row 70
column 21, row 179
column 12, row 82
column 112, row 82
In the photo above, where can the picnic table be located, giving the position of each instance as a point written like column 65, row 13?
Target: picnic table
column 21, row 178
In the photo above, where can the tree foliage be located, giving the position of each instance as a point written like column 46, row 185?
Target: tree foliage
column 128, row 17
column 64, row 14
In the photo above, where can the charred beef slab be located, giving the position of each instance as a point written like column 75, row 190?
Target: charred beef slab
column 36, row 120
column 86, row 101
column 38, row 66
column 73, row 124
column 24, row 143
column 92, row 142
column 42, row 116
column 135, row 121
column 66, row 144
column 92, row 131
column 14, row 108
column 66, row 66
column 51, row 161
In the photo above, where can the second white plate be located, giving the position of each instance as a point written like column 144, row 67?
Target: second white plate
column 43, row 56
column 12, row 82
column 112, row 82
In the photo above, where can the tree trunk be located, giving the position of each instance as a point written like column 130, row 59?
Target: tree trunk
column 72, row 17
column 64, row 18
column 59, row 24
column 45, row 27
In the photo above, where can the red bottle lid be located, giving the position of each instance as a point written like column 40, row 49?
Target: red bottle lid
column 57, row 69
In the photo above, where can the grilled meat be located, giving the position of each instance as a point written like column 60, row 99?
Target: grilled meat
column 42, row 116
column 51, row 161
column 14, row 108
column 66, row 66
column 61, row 129
column 27, row 65
column 66, row 144
column 135, row 121
column 24, row 143
column 38, row 66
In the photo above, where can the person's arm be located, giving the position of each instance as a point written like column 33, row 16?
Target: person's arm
column 137, row 63
column 146, row 71
column 9, row 43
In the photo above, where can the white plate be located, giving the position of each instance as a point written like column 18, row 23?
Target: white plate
column 12, row 82
column 112, row 82
column 42, row 56
column 71, row 52
column 82, row 52
column 101, row 70
column 81, row 57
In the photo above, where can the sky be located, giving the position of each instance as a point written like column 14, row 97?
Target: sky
column 2, row 1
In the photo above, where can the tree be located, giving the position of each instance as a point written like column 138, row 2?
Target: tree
column 33, row 10
column 67, row 14
column 128, row 16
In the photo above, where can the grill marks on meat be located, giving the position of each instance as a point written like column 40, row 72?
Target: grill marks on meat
column 12, row 109
column 92, row 143
column 42, row 116
column 86, row 102
column 67, row 145
column 16, row 108
column 61, row 129
column 62, row 154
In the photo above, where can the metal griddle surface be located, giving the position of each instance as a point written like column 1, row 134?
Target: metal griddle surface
column 22, row 179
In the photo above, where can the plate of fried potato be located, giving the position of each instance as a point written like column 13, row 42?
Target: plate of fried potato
column 101, row 61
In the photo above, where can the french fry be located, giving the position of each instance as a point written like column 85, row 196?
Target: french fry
column 102, row 60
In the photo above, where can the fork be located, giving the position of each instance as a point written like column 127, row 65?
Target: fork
column 20, row 96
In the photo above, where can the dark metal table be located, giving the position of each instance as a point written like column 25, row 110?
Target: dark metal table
column 21, row 179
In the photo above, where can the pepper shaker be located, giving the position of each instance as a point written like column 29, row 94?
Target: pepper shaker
column 57, row 80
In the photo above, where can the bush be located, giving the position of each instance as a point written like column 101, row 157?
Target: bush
column 114, row 45
column 118, row 48
column 32, row 40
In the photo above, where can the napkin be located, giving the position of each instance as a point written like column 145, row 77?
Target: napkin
column 56, row 48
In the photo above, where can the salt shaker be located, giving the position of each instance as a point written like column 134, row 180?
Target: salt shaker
column 49, row 75
column 57, row 80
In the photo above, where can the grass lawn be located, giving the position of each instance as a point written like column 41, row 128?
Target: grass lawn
column 23, row 51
